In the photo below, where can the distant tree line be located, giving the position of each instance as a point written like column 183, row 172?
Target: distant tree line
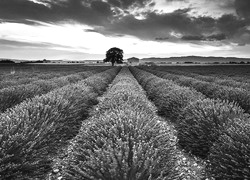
column 7, row 61
column 38, row 61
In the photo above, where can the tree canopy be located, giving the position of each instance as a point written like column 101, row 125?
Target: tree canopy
column 114, row 55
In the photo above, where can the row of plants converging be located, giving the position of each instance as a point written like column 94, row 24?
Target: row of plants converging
column 215, row 130
column 211, row 90
column 234, row 72
column 9, row 97
column 123, row 139
column 32, row 132
column 20, row 71
column 225, row 81
column 28, row 76
column 5, row 83
column 14, row 76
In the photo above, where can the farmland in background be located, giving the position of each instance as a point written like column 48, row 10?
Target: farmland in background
column 236, row 72
column 130, row 123
column 18, row 71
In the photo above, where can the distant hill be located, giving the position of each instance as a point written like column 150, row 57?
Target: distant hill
column 198, row 59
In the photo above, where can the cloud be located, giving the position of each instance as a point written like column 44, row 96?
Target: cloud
column 216, row 37
column 230, row 24
column 119, row 35
column 176, row 0
column 243, row 8
column 90, row 30
column 213, row 37
column 157, row 26
column 162, row 38
column 22, row 44
column 93, row 13
column 125, row 4
column 90, row 12
column 154, row 25
column 171, row 25
column 120, row 17
column 192, row 38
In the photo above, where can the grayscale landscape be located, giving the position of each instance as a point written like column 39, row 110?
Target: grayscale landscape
column 124, row 90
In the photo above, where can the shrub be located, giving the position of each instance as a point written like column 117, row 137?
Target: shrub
column 122, row 144
column 202, row 122
column 229, row 157
column 241, row 96
column 161, row 84
column 172, row 103
column 14, row 95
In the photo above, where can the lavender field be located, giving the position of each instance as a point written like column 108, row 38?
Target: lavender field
column 131, row 123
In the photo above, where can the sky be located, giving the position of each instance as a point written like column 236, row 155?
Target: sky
column 86, row 29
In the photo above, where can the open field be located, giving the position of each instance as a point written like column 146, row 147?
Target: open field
column 233, row 72
column 124, row 123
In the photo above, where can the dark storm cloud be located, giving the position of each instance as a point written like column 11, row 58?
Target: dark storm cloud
column 243, row 8
column 192, row 38
column 94, row 13
column 159, row 26
column 15, row 10
column 114, row 18
column 154, row 25
column 213, row 37
column 216, row 37
column 204, row 28
column 230, row 24
column 91, row 12
column 235, row 28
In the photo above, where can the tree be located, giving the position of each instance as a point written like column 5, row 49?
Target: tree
column 114, row 55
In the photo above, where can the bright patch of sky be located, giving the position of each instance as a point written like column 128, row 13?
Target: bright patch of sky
column 73, row 38
column 197, row 7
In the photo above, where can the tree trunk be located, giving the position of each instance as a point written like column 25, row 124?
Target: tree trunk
column 112, row 63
